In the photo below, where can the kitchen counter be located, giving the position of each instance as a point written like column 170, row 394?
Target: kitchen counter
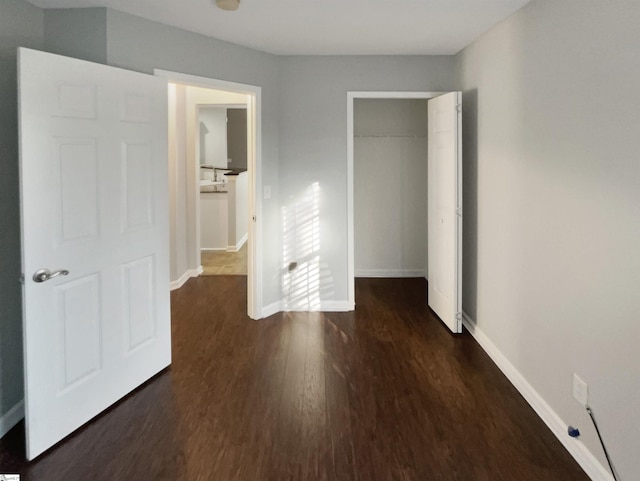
column 236, row 172
column 218, row 188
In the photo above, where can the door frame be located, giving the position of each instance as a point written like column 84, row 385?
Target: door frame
column 351, row 96
column 254, row 172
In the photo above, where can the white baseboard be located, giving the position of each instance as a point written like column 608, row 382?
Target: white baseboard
column 336, row 306
column 216, row 249
column 244, row 239
column 239, row 245
column 390, row 273
column 594, row 469
column 272, row 309
column 325, row 306
column 185, row 277
column 12, row 417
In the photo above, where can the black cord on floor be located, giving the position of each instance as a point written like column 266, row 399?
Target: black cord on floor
column 595, row 424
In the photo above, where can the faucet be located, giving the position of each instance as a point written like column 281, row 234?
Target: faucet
column 216, row 172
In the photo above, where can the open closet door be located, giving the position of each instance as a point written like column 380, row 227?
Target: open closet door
column 445, row 209
column 95, row 238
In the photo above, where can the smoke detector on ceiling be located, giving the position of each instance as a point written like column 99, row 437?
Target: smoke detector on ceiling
column 228, row 4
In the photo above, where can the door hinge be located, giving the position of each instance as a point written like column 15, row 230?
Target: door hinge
column 459, row 316
column 458, row 107
column 459, row 212
column 21, row 279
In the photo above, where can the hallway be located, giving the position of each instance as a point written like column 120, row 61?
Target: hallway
column 222, row 263
column 384, row 393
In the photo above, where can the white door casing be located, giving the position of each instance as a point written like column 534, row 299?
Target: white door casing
column 351, row 96
column 254, row 165
column 94, row 201
column 444, row 242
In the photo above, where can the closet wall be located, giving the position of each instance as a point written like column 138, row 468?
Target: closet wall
column 390, row 187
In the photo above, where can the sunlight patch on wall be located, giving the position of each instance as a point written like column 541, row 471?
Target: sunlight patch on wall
column 305, row 278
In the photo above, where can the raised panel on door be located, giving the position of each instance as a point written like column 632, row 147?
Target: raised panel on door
column 137, row 193
column 76, row 101
column 139, row 300
column 78, row 331
column 76, row 178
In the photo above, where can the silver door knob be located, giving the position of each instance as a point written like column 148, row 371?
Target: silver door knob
column 44, row 274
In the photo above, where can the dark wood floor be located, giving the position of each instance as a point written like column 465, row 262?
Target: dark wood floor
column 385, row 393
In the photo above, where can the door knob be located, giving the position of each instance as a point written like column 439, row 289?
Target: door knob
column 44, row 274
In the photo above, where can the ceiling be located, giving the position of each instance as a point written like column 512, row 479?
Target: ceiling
column 325, row 27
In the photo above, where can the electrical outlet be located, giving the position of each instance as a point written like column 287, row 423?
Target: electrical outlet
column 580, row 390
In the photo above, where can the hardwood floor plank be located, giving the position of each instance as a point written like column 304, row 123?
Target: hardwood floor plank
column 382, row 393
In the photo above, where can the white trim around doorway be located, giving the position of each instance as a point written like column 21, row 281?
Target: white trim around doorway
column 254, row 263
column 351, row 96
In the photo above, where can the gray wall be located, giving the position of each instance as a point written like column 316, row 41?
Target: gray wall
column 390, row 187
column 313, row 135
column 237, row 137
column 63, row 28
column 21, row 24
column 552, row 207
column 141, row 45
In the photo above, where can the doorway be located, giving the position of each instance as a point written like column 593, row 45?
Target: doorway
column 222, row 155
column 444, row 207
column 200, row 92
column 390, row 172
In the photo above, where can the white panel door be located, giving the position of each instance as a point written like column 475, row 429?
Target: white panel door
column 94, row 200
column 444, row 243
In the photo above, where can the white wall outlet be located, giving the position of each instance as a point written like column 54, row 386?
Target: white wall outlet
column 267, row 192
column 580, row 390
